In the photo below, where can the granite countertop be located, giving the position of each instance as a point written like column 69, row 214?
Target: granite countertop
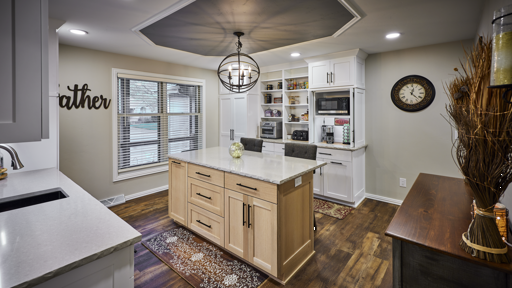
column 43, row 241
column 275, row 169
column 321, row 145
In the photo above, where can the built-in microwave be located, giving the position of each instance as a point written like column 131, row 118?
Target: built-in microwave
column 273, row 130
column 333, row 105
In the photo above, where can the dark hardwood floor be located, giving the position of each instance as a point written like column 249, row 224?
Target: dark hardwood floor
column 352, row 252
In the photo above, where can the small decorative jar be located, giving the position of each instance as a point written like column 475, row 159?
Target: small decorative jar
column 236, row 150
column 501, row 69
column 276, row 113
column 268, row 112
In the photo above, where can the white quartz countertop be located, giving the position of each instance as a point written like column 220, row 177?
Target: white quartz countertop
column 42, row 241
column 266, row 167
column 321, row 145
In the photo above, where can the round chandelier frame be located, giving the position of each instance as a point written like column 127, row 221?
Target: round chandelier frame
column 238, row 72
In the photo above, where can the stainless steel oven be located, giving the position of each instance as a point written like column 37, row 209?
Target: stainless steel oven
column 273, row 130
column 333, row 105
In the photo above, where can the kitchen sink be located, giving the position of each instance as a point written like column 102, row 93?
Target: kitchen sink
column 30, row 199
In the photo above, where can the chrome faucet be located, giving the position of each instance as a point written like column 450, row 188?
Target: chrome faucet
column 15, row 160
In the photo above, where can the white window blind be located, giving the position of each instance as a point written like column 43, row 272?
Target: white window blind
column 156, row 117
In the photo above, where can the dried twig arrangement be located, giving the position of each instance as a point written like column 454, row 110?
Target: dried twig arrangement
column 483, row 151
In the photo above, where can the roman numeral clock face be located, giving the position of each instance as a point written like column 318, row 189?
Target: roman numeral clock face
column 413, row 93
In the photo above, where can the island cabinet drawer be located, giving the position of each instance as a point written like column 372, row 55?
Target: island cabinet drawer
column 206, row 224
column 177, row 162
column 252, row 187
column 206, row 195
column 332, row 154
column 206, row 174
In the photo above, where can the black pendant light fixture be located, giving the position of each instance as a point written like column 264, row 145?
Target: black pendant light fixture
column 238, row 72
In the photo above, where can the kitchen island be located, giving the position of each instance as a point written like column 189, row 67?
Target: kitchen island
column 72, row 241
column 259, row 207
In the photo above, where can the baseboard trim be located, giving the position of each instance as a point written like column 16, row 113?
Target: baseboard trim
column 147, row 192
column 329, row 199
column 384, row 199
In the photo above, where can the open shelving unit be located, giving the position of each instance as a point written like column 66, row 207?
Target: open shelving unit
column 286, row 76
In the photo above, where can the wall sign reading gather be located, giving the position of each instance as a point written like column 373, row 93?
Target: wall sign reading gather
column 77, row 102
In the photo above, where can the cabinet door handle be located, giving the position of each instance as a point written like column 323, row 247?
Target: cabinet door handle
column 176, row 162
column 337, row 163
column 209, row 226
column 327, row 77
column 209, row 198
column 243, row 215
column 332, row 81
column 320, row 171
column 248, row 216
column 240, row 184
column 198, row 173
column 324, row 153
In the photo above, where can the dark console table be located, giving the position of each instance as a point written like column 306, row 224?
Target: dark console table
column 426, row 232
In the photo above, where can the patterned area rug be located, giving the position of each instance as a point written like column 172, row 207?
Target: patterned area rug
column 331, row 209
column 200, row 263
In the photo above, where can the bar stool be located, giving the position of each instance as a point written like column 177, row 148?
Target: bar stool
column 251, row 144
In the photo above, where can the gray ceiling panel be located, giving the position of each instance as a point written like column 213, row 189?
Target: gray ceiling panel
column 206, row 27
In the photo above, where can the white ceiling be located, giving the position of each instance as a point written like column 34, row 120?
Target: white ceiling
column 421, row 22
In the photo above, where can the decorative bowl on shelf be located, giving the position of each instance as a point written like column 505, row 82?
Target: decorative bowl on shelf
column 236, row 150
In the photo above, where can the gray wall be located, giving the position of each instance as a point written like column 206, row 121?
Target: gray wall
column 86, row 135
column 485, row 27
column 404, row 144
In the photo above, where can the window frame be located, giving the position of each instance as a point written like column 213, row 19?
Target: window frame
column 154, row 168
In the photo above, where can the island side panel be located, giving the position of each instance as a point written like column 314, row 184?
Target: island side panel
column 178, row 191
column 295, row 225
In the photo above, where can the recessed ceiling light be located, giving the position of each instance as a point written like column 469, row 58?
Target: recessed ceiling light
column 296, row 54
column 78, row 32
column 392, row 35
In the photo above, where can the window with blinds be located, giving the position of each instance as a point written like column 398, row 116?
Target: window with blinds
column 156, row 117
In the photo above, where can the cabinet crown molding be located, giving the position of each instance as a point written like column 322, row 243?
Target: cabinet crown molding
column 354, row 52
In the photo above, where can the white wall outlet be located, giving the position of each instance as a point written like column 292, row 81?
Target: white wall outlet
column 402, row 182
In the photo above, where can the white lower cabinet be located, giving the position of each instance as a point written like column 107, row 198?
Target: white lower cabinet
column 318, row 180
column 273, row 148
column 337, row 180
column 343, row 177
column 267, row 148
column 279, row 149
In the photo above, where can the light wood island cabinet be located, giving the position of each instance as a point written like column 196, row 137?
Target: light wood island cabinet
column 177, row 191
column 267, row 225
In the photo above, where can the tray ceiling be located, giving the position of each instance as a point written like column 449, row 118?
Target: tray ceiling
column 206, row 27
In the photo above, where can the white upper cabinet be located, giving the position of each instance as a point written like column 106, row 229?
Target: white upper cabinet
column 341, row 72
column 24, row 102
column 343, row 69
column 319, row 74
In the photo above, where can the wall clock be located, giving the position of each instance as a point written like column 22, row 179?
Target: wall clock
column 413, row 93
